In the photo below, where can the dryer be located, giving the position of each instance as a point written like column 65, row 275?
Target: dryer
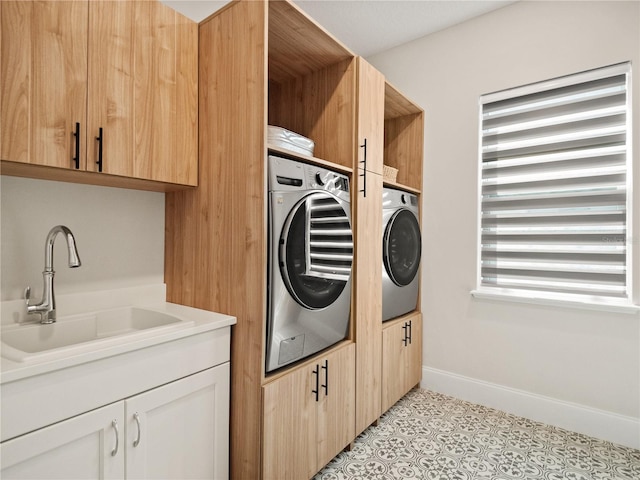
column 310, row 258
column 401, row 252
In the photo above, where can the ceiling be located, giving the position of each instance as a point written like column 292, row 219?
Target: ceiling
column 368, row 27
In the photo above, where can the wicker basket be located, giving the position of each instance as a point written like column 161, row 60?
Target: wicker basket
column 389, row 174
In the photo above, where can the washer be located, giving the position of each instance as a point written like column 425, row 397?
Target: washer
column 401, row 252
column 310, row 258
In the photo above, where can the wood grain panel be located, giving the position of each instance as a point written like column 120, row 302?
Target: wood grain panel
column 291, row 426
column 414, row 360
column 71, row 175
column 371, row 104
column 143, row 84
column 396, row 104
column 216, row 241
column 298, row 45
column 403, row 148
column 154, row 90
column 320, row 106
column 302, row 434
column 336, row 420
column 15, row 73
column 44, row 75
column 186, row 117
column 401, row 364
column 367, row 299
column 393, row 360
column 111, row 86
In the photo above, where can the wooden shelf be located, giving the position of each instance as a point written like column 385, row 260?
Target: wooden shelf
column 283, row 152
column 400, row 186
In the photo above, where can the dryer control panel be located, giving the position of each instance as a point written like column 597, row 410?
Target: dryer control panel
column 292, row 175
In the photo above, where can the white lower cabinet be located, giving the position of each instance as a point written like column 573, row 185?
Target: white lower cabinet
column 181, row 430
column 79, row 448
column 177, row 431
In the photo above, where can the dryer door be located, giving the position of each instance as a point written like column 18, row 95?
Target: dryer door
column 316, row 250
column 402, row 247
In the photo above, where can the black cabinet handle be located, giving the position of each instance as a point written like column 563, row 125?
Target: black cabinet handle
column 364, row 169
column 406, row 338
column 325, row 367
column 316, row 372
column 100, row 139
column 410, row 331
column 76, row 134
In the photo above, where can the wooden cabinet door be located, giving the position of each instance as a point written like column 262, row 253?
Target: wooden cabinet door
column 371, row 91
column 414, row 352
column 290, row 430
column 393, row 361
column 180, row 430
column 367, row 298
column 143, row 61
column 84, row 447
column 303, row 430
column 367, row 302
column 128, row 68
column 43, row 81
column 401, row 358
column 336, row 408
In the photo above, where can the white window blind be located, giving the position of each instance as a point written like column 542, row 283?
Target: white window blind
column 555, row 188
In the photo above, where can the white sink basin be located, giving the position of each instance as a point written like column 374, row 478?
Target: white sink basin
column 81, row 333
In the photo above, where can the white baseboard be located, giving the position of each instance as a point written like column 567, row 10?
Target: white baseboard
column 601, row 424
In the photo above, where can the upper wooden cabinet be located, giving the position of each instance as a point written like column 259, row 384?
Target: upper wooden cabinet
column 43, row 77
column 100, row 80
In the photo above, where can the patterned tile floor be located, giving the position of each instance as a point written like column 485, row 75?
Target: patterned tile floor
column 431, row 436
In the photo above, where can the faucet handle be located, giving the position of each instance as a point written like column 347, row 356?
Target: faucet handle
column 27, row 295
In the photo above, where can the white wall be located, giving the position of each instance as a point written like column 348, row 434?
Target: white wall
column 587, row 358
column 119, row 234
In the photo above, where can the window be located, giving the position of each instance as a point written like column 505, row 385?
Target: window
column 555, row 174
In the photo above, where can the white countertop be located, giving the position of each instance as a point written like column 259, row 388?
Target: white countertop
column 149, row 297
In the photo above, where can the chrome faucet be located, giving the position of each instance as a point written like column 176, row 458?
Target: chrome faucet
column 47, row 307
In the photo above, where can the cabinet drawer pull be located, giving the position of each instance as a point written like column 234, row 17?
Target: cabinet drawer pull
column 316, row 372
column 76, row 134
column 325, row 367
column 409, row 331
column 136, row 417
column 364, row 169
column 114, row 424
column 100, row 139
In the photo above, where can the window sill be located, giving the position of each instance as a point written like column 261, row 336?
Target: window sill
column 616, row 308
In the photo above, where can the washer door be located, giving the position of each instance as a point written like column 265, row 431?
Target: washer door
column 402, row 247
column 316, row 250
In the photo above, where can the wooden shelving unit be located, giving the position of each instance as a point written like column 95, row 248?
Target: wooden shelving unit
column 267, row 63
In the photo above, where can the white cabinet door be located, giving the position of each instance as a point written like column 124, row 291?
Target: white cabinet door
column 89, row 446
column 180, row 430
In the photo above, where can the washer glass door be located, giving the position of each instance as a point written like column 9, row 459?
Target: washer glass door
column 316, row 250
column 402, row 247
